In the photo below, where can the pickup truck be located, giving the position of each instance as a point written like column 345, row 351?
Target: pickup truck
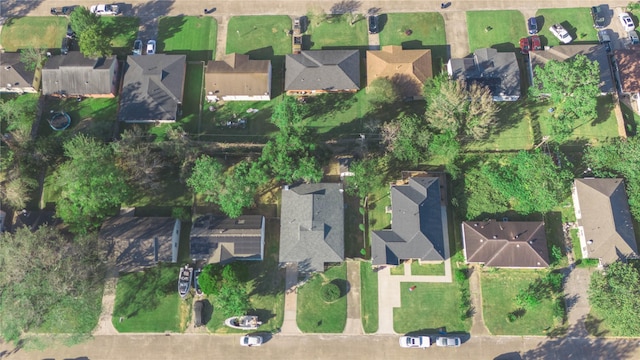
column 105, row 9
column 296, row 37
column 561, row 33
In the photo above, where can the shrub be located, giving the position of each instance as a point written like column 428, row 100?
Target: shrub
column 511, row 317
column 330, row 292
column 461, row 275
column 556, row 254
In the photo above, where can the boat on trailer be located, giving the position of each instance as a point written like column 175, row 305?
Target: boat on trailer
column 184, row 280
column 245, row 322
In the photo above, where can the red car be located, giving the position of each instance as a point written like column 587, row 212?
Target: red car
column 525, row 45
column 535, row 42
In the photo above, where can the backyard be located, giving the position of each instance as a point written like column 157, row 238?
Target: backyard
column 577, row 21
column 314, row 315
column 512, row 130
column 369, row 297
column 498, row 29
column 193, row 36
column 33, row 31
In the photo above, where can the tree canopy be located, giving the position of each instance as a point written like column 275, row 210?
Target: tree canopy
column 91, row 186
column 366, row 177
column 91, row 33
column 406, row 138
column 615, row 295
column 230, row 294
column 207, row 177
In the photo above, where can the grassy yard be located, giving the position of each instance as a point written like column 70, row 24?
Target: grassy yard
column 427, row 32
column 378, row 201
column 428, row 307
column 499, row 289
column 577, row 21
column 427, row 269
column 397, row 270
column 123, row 31
column 94, row 117
column 511, row 132
column 336, row 32
column 498, row 29
column 316, row 316
column 631, row 119
column 353, row 241
column 258, row 127
column 34, row 31
column 194, row 36
column 369, row 297
column 148, row 301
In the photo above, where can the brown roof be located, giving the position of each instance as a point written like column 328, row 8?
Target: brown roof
column 605, row 219
column 509, row 244
column 236, row 74
column 409, row 68
column 628, row 61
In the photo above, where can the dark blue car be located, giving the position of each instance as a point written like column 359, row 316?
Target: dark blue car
column 532, row 25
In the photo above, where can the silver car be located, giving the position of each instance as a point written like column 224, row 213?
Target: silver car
column 448, row 341
column 415, row 342
column 251, row 340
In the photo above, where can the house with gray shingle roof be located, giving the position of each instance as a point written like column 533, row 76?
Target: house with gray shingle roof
column 15, row 76
column 417, row 224
column 496, row 70
column 312, row 226
column 152, row 88
column 76, row 75
column 221, row 239
column 322, row 71
column 605, row 227
column 508, row 244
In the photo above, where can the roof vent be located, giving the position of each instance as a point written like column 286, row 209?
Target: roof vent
column 495, row 236
column 475, row 225
column 517, row 245
column 286, row 187
column 530, row 242
column 7, row 67
column 590, row 242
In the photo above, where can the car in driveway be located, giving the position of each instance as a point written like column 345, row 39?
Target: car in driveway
column 633, row 37
column 447, row 341
column 421, row 342
column 532, row 25
column 626, row 21
column 373, row 24
column 70, row 33
column 536, row 44
column 105, row 9
column 151, row 47
column 597, row 14
column 137, row 47
column 66, row 45
column 251, row 340
column 525, row 45
column 561, row 33
column 64, row 10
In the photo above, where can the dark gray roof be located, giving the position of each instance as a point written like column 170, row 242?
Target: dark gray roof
column 509, row 244
column 416, row 231
column 220, row 239
column 153, row 88
column 312, row 226
column 497, row 71
column 75, row 74
column 593, row 52
column 605, row 219
column 330, row 70
column 137, row 242
column 14, row 72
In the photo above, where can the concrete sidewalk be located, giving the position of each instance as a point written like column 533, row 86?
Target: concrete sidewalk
column 478, row 328
column 290, row 324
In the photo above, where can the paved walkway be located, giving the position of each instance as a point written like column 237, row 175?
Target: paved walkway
column 221, row 41
column 577, row 303
column 478, row 328
column 354, row 320
column 105, row 325
column 290, row 325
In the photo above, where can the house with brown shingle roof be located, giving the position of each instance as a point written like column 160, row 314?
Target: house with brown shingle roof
column 238, row 78
column 628, row 64
column 507, row 244
column 407, row 69
column 605, row 227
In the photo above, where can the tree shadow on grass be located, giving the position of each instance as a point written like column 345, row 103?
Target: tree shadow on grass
column 143, row 291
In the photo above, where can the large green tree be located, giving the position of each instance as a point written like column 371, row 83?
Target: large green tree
column 615, row 295
column 406, row 138
column 207, row 177
column 90, row 185
column 367, row 176
column 92, row 37
column 229, row 293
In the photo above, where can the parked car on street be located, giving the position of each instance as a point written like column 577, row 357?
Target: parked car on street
column 597, row 14
column 561, row 33
column 137, row 47
column 373, row 24
column 151, row 47
column 421, row 342
column 448, row 341
column 626, row 21
column 251, row 340
column 105, row 9
column 532, row 25
column 64, row 10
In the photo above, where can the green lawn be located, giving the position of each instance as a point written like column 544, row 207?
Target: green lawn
column 427, row 32
column 631, row 120
column 498, row 29
column 148, row 301
column 353, row 241
column 368, row 297
column 33, row 31
column 378, row 202
column 336, row 32
column 316, row 316
column 499, row 289
column 257, row 129
column 194, row 36
column 92, row 116
column 123, row 31
column 397, row 270
column 427, row 269
column 511, row 132
column 577, row 21
column 428, row 307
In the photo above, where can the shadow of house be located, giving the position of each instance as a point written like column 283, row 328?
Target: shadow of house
column 238, row 78
column 605, row 227
column 139, row 242
column 153, row 88
column 312, row 226
column 496, row 70
column 407, row 69
column 508, row 244
column 417, row 226
column 221, row 240
column 322, row 71
column 15, row 76
column 593, row 52
column 76, row 75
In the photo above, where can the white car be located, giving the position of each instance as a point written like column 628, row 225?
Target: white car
column 626, row 21
column 151, row 47
column 561, row 33
column 251, row 340
column 421, row 342
column 448, row 341
column 105, row 9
